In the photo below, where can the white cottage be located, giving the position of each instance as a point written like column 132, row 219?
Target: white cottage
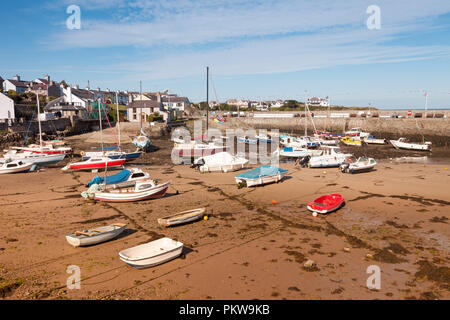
column 6, row 108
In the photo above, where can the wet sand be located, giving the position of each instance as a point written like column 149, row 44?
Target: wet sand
column 396, row 217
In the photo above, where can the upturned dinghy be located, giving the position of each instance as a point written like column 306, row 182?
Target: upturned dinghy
column 222, row 161
column 182, row 217
column 261, row 175
column 95, row 236
column 326, row 204
column 152, row 253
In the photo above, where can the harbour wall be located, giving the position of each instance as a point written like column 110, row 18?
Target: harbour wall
column 436, row 130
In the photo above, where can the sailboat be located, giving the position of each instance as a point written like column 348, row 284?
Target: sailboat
column 142, row 141
column 113, row 152
column 97, row 162
column 41, row 155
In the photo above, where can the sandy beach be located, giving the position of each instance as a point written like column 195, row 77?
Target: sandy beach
column 396, row 217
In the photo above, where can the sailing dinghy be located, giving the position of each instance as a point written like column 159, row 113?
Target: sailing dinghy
column 152, row 253
column 95, row 236
column 182, row 217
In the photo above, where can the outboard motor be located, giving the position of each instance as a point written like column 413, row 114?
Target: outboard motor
column 344, row 167
column 304, row 162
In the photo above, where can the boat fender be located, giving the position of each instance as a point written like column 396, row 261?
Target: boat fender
column 82, row 153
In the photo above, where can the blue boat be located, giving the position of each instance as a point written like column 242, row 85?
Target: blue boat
column 131, row 175
column 247, row 140
column 261, row 175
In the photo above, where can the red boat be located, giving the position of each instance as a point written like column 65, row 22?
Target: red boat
column 326, row 204
column 95, row 163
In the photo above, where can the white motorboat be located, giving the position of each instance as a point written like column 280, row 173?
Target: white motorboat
column 95, row 236
column 152, row 253
column 361, row 165
column 14, row 166
column 261, row 175
column 403, row 143
column 373, row 140
column 222, row 161
column 298, row 152
column 94, row 164
column 331, row 157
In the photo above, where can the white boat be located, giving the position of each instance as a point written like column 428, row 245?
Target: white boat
column 361, row 165
column 331, row 157
column 358, row 132
column 124, row 178
column 14, row 166
column 152, row 253
column 94, row 164
column 373, row 140
column 48, row 149
column 261, row 175
column 263, row 138
column 140, row 190
column 403, row 143
column 182, row 217
column 298, row 152
column 40, row 159
column 95, row 236
column 195, row 149
column 222, row 161
column 248, row 140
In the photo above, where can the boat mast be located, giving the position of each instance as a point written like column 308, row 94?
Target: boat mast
column 100, row 120
column 207, row 99
column 118, row 119
column 39, row 120
column 140, row 108
column 306, row 118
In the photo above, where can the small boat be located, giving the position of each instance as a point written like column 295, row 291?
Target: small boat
column 152, row 253
column 182, row 217
column 140, row 190
column 326, row 204
column 95, row 236
column 48, row 149
column 331, row 157
column 357, row 132
column 246, row 139
column 351, row 141
column 403, row 143
column 14, row 166
column 373, row 140
column 128, row 156
column 335, row 135
column 296, row 152
column 40, row 159
column 222, row 161
column 126, row 175
column 195, row 149
column 94, row 163
column 261, row 175
column 363, row 164
column 142, row 141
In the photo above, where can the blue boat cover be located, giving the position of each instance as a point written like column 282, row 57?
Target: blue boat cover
column 262, row 171
column 107, row 148
column 288, row 149
column 115, row 178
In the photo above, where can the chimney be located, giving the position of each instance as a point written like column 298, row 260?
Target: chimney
column 17, row 77
column 76, row 87
column 98, row 89
column 130, row 98
column 47, row 77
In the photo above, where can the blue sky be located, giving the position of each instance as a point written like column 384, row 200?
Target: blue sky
column 259, row 50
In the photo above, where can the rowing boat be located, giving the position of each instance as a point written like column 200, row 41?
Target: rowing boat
column 95, row 236
column 182, row 217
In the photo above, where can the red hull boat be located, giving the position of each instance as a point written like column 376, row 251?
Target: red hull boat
column 93, row 164
column 49, row 149
column 326, row 204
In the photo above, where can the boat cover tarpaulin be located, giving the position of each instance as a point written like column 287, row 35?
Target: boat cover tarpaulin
column 262, row 171
column 115, row 178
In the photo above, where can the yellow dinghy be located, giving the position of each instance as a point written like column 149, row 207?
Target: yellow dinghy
column 351, row 141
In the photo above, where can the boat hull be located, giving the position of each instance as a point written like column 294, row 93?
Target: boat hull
column 123, row 196
column 410, row 146
column 189, row 153
column 126, row 156
column 261, row 180
column 93, row 240
column 96, row 165
column 21, row 169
